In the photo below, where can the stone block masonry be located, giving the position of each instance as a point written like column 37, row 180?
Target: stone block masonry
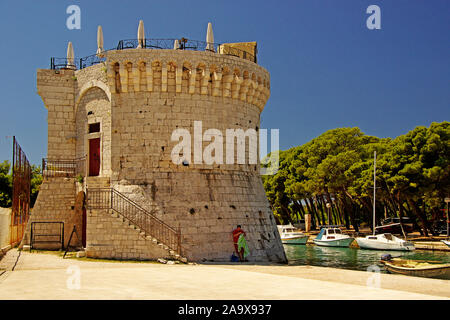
column 55, row 203
column 111, row 236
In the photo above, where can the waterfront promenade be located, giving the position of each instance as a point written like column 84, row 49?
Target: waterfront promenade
column 48, row 276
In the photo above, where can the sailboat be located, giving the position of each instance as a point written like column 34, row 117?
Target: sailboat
column 384, row 241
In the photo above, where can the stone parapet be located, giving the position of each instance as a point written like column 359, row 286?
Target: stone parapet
column 192, row 72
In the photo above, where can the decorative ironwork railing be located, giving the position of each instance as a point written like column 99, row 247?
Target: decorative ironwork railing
column 183, row 44
column 109, row 198
column 63, row 168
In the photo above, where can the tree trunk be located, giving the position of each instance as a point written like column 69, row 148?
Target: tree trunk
column 301, row 209
column 369, row 210
column 410, row 215
column 400, row 213
column 418, row 213
column 313, row 213
column 343, row 208
column 351, row 213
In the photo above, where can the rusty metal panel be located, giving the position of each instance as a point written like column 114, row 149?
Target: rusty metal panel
column 21, row 174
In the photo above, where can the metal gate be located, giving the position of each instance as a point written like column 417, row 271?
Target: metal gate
column 48, row 232
column 21, row 174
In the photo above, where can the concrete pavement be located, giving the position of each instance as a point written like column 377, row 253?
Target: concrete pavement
column 48, row 276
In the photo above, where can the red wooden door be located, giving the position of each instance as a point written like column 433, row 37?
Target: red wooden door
column 94, row 157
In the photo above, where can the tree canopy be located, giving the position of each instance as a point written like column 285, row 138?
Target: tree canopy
column 337, row 168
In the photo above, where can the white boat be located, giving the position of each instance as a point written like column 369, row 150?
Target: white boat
column 385, row 241
column 332, row 237
column 289, row 235
column 447, row 242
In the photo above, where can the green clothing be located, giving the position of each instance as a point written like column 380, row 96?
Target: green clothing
column 242, row 243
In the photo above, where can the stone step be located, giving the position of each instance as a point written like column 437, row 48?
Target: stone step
column 98, row 182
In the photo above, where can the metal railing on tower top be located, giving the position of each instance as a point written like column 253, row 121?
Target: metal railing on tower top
column 183, row 44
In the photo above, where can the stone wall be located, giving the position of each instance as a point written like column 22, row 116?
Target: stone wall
column 109, row 236
column 155, row 92
column 57, row 90
column 5, row 221
column 55, row 202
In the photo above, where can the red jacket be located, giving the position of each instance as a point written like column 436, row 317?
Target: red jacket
column 236, row 233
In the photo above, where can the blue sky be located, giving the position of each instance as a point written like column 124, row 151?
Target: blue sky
column 327, row 68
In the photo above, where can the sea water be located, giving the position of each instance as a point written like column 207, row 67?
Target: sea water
column 352, row 258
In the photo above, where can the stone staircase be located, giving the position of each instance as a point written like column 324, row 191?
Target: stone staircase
column 143, row 235
column 108, row 207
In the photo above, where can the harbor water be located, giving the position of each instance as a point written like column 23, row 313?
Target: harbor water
column 353, row 258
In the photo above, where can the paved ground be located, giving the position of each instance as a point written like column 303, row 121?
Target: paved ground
column 48, row 276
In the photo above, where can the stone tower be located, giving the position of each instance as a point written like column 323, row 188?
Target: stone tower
column 117, row 118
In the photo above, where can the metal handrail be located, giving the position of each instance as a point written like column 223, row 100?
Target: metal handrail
column 184, row 44
column 109, row 198
column 68, row 168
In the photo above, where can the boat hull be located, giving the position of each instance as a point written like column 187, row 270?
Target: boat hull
column 334, row 243
column 437, row 272
column 298, row 240
column 377, row 245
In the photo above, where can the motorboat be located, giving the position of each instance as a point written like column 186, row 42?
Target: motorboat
column 333, row 237
column 290, row 235
column 417, row 268
column 385, row 241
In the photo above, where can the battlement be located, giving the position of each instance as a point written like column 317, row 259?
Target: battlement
column 190, row 72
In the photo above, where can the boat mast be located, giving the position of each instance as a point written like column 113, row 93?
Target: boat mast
column 374, row 187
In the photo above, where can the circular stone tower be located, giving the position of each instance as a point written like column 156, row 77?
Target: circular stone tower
column 142, row 97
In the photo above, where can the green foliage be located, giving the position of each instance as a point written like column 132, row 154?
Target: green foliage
column 36, row 181
column 80, row 178
column 6, row 183
column 337, row 167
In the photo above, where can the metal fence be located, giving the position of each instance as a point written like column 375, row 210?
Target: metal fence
column 109, row 198
column 21, row 175
column 63, row 168
column 183, row 44
column 47, row 232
